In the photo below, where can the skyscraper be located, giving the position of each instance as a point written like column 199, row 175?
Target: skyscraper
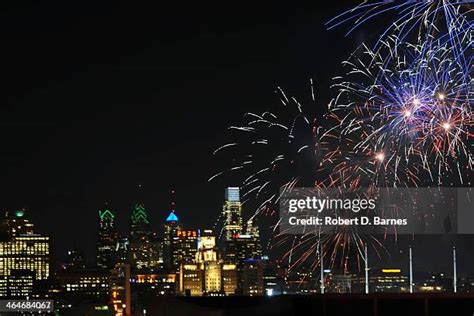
column 241, row 247
column 139, row 222
column 24, row 255
column 107, row 239
column 254, row 246
column 143, row 242
column 16, row 223
column 170, row 231
column 207, row 275
column 122, row 249
column 184, row 246
column 232, row 212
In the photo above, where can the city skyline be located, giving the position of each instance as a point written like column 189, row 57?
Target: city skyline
column 400, row 261
column 164, row 159
column 132, row 125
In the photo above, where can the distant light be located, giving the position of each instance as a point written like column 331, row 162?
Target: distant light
column 391, row 270
column 327, row 271
column 269, row 292
column 19, row 213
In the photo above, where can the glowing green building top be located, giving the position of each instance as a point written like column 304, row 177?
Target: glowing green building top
column 139, row 215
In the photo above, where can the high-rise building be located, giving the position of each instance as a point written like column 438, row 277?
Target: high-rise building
column 206, row 246
column 144, row 252
column 232, row 212
column 244, row 246
column 253, row 249
column 184, row 247
column 209, row 263
column 24, row 255
column 122, row 250
column 16, row 223
column 139, row 222
column 107, row 239
column 170, row 231
column 207, row 275
column 20, row 284
column 240, row 243
column 25, row 252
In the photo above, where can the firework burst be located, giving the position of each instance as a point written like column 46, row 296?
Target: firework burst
column 273, row 150
column 431, row 17
column 407, row 122
column 402, row 117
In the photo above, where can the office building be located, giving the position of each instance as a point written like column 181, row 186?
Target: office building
column 93, row 283
column 184, row 247
column 232, row 213
column 144, row 250
column 170, row 231
column 107, row 239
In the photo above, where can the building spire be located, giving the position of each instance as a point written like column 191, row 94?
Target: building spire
column 172, row 217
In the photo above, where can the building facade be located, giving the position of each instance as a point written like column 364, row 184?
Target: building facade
column 107, row 239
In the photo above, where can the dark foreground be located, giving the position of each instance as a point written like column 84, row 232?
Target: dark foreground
column 324, row 305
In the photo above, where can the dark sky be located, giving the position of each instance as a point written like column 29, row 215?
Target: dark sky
column 101, row 96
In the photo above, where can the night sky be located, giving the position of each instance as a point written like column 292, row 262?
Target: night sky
column 99, row 97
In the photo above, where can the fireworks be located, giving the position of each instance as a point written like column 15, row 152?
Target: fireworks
column 430, row 17
column 402, row 116
column 402, row 122
column 274, row 150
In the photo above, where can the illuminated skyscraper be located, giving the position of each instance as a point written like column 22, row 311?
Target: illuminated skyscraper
column 232, row 212
column 239, row 250
column 139, row 222
column 207, row 275
column 244, row 246
column 143, row 242
column 170, row 231
column 16, row 223
column 24, row 255
column 25, row 252
column 254, row 247
column 107, row 240
column 122, row 249
column 184, row 246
